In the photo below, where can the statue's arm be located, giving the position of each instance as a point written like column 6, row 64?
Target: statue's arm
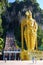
column 35, row 26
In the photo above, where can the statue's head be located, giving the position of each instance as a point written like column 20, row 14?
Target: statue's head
column 29, row 14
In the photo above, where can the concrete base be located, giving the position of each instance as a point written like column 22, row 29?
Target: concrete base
column 21, row 62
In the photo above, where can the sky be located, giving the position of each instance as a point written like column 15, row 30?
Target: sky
column 11, row 0
column 39, row 1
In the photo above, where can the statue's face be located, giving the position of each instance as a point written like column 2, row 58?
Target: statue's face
column 29, row 14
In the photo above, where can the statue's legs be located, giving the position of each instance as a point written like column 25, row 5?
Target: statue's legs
column 27, row 39
column 33, row 41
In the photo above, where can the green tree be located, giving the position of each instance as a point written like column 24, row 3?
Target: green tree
column 3, row 5
column 17, row 1
column 1, row 29
column 1, row 44
column 40, row 38
column 33, row 1
column 41, row 46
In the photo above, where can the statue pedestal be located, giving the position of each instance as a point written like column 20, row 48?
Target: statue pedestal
column 28, row 55
column 36, row 54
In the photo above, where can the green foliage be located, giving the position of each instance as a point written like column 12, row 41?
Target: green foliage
column 33, row 1
column 18, row 43
column 0, row 8
column 24, row 0
column 1, row 44
column 40, row 38
column 17, row 1
column 1, row 29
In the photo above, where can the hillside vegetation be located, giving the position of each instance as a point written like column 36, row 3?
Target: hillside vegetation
column 11, row 14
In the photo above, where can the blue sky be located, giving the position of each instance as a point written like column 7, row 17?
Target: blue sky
column 11, row 0
column 39, row 1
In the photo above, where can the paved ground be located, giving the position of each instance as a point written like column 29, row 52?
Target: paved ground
column 21, row 63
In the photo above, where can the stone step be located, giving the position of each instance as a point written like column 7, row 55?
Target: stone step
column 9, row 40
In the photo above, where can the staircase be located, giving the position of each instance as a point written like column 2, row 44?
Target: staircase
column 9, row 41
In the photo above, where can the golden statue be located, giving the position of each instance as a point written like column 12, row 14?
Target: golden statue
column 28, row 33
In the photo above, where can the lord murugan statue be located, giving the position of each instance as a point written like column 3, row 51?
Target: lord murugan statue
column 29, row 32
